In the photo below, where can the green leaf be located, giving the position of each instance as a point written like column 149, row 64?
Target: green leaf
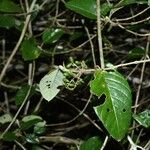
column 7, row 21
column 29, row 121
column 86, row 8
column 21, row 93
column 115, row 112
column 5, row 118
column 39, row 128
column 143, row 118
column 136, row 53
column 52, row 35
column 93, row 143
column 49, row 84
column 9, row 6
column 29, row 49
column 9, row 136
column 75, row 36
column 106, row 8
column 32, row 138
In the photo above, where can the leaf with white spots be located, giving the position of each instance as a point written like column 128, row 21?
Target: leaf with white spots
column 115, row 112
column 50, row 83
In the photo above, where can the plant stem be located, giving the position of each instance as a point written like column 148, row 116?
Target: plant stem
column 100, row 35
column 18, row 43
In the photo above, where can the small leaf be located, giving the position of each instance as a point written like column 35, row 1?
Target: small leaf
column 49, row 84
column 7, row 21
column 9, row 136
column 75, row 36
column 6, row 118
column 52, row 35
column 21, row 93
column 136, row 53
column 94, row 143
column 106, row 8
column 86, row 8
column 115, row 112
column 29, row 121
column 39, row 127
column 32, row 138
column 143, row 118
column 9, row 6
column 29, row 49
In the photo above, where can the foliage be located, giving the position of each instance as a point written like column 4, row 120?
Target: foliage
column 143, row 118
column 54, row 94
column 115, row 112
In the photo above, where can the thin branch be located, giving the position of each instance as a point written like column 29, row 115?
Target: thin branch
column 134, row 23
column 140, row 85
column 104, row 144
column 3, row 72
column 76, row 117
column 100, row 35
column 17, row 113
column 132, row 17
column 89, row 71
column 92, row 47
column 20, row 145
column 59, row 139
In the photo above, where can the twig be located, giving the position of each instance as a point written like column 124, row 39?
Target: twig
column 140, row 85
column 21, row 146
column 147, row 146
column 59, row 139
column 133, row 145
column 135, row 33
column 92, row 46
column 137, row 22
column 99, row 34
column 104, row 144
column 85, row 115
column 77, row 116
column 17, row 113
column 132, row 17
column 18, row 43
column 89, row 71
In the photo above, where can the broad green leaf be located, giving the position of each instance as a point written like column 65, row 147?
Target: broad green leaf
column 115, row 112
column 29, row 49
column 21, row 94
column 9, row 6
column 29, row 121
column 9, row 136
column 86, row 8
column 143, row 118
column 50, row 83
column 94, row 143
column 52, row 35
column 7, row 21
column 136, row 53
column 5, row 118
